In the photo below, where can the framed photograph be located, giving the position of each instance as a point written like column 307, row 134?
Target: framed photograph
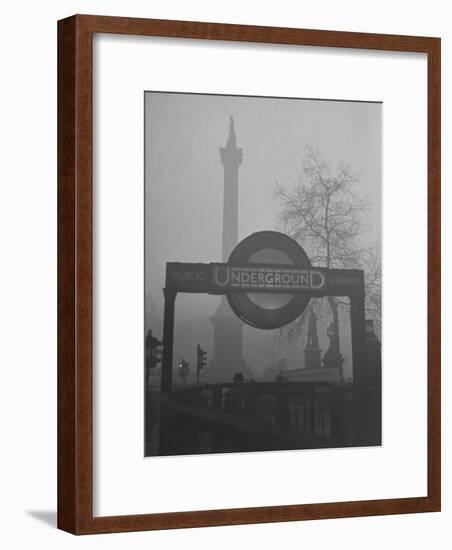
column 249, row 274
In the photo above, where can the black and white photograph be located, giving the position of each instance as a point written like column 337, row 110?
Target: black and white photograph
column 262, row 278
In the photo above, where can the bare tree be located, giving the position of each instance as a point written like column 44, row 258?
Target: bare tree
column 326, row 216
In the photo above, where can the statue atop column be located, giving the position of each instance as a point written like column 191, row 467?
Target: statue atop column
column 333, row 357
column 313, row 337
column 312, row 350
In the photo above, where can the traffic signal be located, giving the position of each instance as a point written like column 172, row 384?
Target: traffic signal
column 154, row 350
column 201, row 360
column 184, row 369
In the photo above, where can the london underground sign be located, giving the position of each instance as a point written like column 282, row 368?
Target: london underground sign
column 268, row 281
column 274, row 257
column 217, row 278
column 266, row 278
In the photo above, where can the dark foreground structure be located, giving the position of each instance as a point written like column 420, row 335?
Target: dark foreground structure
column 263, row 416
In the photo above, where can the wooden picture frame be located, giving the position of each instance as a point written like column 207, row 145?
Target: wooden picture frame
column 75, row 274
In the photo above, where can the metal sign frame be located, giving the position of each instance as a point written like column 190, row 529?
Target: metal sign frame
column 200, row 278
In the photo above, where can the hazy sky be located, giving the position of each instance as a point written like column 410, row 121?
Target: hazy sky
column 184, row 174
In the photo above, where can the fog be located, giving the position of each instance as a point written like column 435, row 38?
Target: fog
column 184, row 195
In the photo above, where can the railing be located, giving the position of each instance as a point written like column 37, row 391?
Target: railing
column 256, row 416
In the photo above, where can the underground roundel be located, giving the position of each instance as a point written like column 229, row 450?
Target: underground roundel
column 275, row 251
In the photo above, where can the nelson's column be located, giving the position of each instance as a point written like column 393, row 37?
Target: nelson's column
column 228, row 345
